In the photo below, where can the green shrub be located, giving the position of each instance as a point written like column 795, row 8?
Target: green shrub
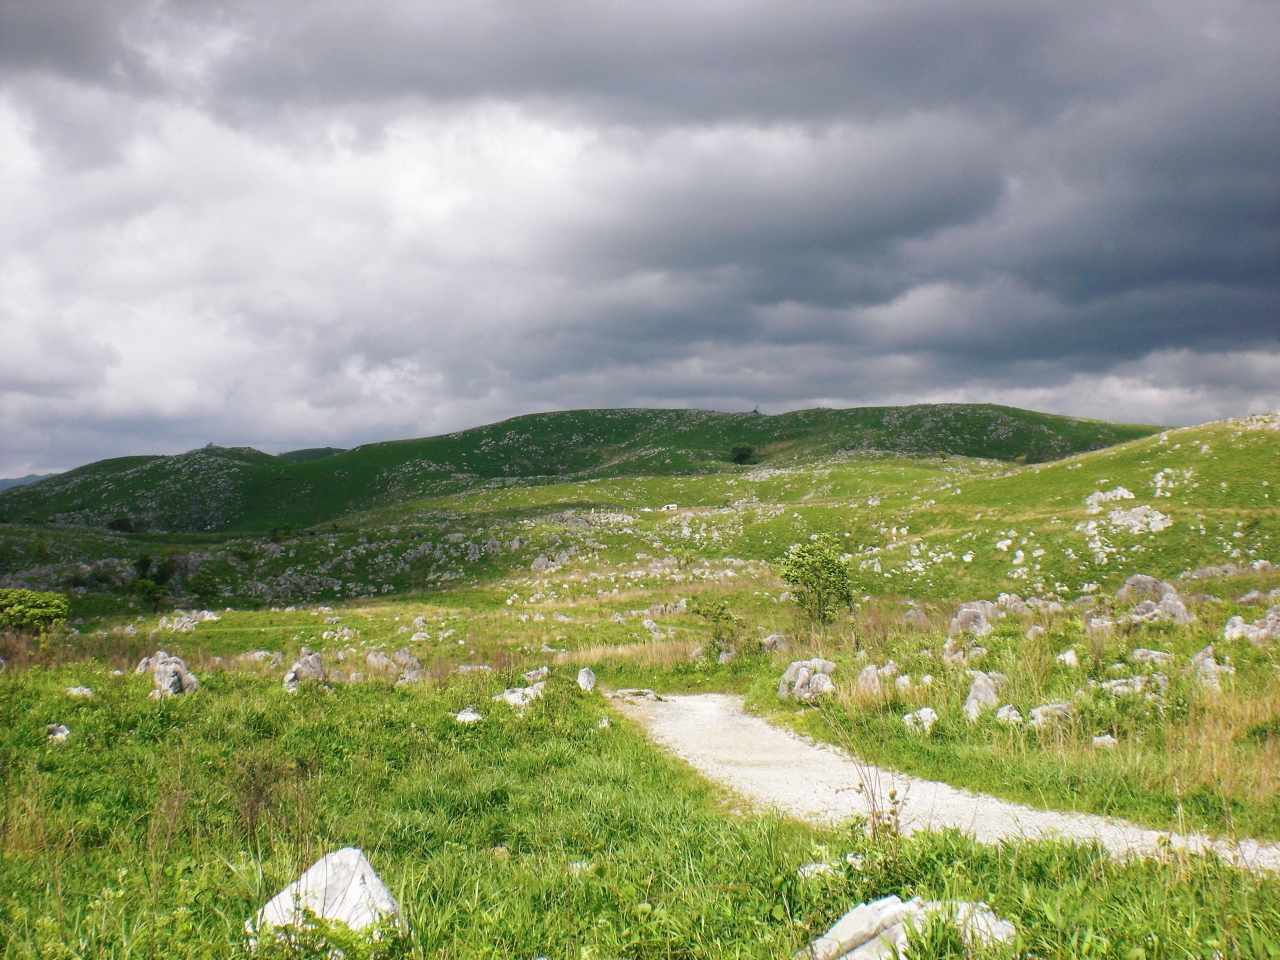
column 816, row 569
column 32, row 610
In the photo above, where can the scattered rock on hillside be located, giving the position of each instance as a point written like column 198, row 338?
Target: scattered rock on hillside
column 57, row 732
column 379, row 661
column 406, row 660
column 587, row 679
column 971, row 618
column 1140, row 586
column 1259, row 633
column 170, row 673
column 1158, row 657
column 1170, row 607
column 982, row 696
column 1008, row 714
column 1048, row 714
column 1049, row 608
column 1104, row 742
column 958, row 653
column 1096, row 625
column 307, row 667
column 340, row 887
column 1207, row 670
column 916, row 618
column 1068, row 658
column 83, row 692
column 541, row 673
column 774, row 641
column 1252, row 597
column 521, row 697
column 868, row 682
column 474, row 668
column 798, row 680
column 634, row 695
column 727, row 655
column 1034, row 632
column 873, row 930
column 1014, row 604
column 921, row 720
column 468, row 715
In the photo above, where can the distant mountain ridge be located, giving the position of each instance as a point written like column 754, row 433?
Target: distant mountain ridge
column 7, row 483
column 240, row 488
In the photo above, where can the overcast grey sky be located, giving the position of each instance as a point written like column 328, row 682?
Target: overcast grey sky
column 302, row 224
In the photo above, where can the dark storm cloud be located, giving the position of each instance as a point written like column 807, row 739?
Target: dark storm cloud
column 294, row 224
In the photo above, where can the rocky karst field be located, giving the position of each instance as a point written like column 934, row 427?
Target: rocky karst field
column 1078, row 630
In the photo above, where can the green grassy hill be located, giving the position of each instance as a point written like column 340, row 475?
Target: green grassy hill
column 241, row 489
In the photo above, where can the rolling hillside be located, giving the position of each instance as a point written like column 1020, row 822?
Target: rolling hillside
column 240, row 489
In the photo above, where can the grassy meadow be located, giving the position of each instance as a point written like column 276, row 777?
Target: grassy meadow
column 159, row 827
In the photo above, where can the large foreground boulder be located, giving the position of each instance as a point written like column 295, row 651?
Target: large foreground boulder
column 878, row 929
column 307, row 667
column 805, row 679
column 172, row 678
column 341, row 887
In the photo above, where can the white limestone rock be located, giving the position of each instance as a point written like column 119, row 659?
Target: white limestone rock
column 969, row 620
column 587, row 679
column 921, row 720
column 797, row 681
column 1048, row 714
column 1009, row 715
column 917, row 619
column 307, row 667
column 1068, row 658
column 871, row 931
column 341, row 887
column 57, row 732
column 521, row 697
column 82, row 692
column 1155, row 657
column 468, row 715
column 1207, row 670
column 172, row 678
column 1035, row 632
column 868, row 682
column 982, row 696
column 1104, row 742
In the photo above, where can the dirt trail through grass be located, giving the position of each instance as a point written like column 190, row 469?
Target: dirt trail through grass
column 776, row 768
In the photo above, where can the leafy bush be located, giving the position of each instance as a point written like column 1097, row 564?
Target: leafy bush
column 821, row 577
column 742, row 453
column 32, row 610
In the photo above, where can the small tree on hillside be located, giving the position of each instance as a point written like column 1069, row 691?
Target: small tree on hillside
column 742, row 453
column 823, row 584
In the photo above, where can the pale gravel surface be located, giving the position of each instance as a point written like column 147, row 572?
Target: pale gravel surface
column 776, row 768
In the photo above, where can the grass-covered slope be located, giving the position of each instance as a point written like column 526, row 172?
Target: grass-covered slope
column 242, row 489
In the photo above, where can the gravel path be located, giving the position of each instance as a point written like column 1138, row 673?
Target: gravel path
column 776, row 768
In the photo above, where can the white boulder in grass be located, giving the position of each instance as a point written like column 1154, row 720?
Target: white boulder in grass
column 341, row 887
column 1009, row 715
column 84, row 692
column 468, row 715
column 587, row 679
column 921, row 720
column 1068, row 658
column 879, row 929
column 982, row 696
